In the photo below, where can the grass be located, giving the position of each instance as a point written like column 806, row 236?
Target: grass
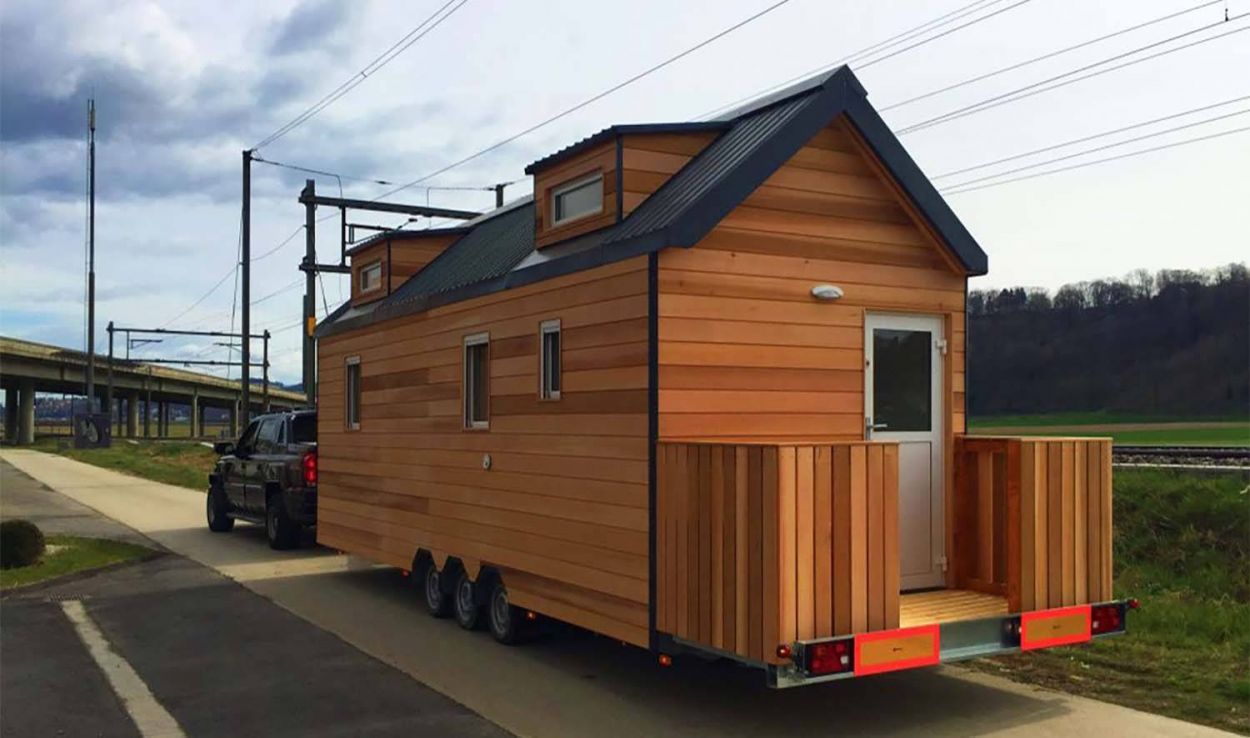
column 1100, row 417
column 1226, row 431
column 70, row 555
column 185, row 464
column 1182, row 545
column 1238, row 435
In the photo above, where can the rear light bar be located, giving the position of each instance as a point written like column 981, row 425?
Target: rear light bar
column 1107, row 618
column 308, row 468
column 827, row 657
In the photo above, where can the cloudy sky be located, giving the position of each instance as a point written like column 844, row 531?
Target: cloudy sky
column 182, row 88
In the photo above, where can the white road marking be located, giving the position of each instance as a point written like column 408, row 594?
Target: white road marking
column 149, row 717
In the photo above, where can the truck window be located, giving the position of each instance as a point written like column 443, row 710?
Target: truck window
column 247, row 442
column 304, row 429
column 267, row 437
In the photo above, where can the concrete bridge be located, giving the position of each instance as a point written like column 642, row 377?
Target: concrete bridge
column 27, row 367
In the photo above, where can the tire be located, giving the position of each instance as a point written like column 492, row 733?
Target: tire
column 437, row 603
column 218, row 511
column 506, row 621
column 282, row 532
column 468, row 611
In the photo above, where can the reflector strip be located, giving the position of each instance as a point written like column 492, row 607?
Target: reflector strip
column 1059, row 627
column 892, row 650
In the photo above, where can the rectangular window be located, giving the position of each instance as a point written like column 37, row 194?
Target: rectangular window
column 371, row 277
column 549, row 360
column 577, row 199
column 476, row 385
column 353, row 392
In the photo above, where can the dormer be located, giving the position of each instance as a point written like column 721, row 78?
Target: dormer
column 384, row 262
column 601, row 179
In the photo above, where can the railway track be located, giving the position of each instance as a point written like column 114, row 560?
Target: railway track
column 1213, row 458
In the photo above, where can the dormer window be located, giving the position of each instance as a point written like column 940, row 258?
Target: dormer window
column 371, row 277
column 577, row 199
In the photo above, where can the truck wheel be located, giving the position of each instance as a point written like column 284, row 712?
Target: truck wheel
column 506, row 620
column 437, row 603
column 282, row 532
column 218, row 513
column 468, row 612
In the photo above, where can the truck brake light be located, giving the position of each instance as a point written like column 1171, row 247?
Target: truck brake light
column 830, row 657
column 308, row 465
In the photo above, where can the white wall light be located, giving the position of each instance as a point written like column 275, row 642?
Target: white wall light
column 827, row 292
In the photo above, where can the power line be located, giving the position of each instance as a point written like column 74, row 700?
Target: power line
column 1089, row 138
column 1104, row 147
column 938, row 22
column 1049, row 55
column 336, row 175
column 1037, row 88
column 1174, row 144
column 947, row 32
column 587, row 101
column 386, row 57
column 285, row 241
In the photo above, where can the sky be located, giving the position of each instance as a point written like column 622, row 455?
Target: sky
column 182, row 88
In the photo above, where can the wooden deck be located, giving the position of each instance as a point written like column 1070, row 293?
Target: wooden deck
column 946, row 605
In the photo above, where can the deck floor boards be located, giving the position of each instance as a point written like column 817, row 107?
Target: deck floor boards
column 946, row 605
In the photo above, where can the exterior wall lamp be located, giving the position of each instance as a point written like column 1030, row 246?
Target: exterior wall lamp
column 827, row 292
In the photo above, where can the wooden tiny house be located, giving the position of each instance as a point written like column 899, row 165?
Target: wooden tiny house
column 706, row 390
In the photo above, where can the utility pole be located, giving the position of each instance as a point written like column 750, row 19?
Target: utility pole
column 310, row 289
column 91, row 257
column 499, row 194
column 246, row 329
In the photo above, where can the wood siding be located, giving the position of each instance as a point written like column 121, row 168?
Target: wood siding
column 744, row 348
column 562, row 511
column 363, row 258
column 601, row 158
column 759, row 545
column 1033, row 520
column 648, row 160
column 401, row 258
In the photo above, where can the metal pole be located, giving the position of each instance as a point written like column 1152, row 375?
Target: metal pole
column 246, row 292
column 499, row 195
column 108, row 406
column 264, row 403
column 147, row 404
column 91, row 257
column 310, row 291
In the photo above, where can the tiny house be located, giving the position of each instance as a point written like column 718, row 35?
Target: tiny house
column 705, row 391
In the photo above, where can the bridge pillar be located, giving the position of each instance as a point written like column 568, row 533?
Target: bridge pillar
column 160, row 418
column 234, row 419
column 147, row 414
column 26, row 412
column 195, row 413
column 10, row 414
column 132, row 414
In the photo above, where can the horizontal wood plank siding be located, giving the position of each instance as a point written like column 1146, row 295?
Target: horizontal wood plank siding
column 762, row 544
column 562, row 511
column 648, row 160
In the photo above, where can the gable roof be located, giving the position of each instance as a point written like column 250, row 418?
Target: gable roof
column 498, row 250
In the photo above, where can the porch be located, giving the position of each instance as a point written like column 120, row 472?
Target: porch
column 766, row 544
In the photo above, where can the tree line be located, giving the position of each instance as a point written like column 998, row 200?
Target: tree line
column 1175, row 342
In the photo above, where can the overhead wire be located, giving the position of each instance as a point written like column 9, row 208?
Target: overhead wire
column 943, row 34
column 386, row 57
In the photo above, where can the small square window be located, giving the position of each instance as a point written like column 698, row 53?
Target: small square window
column 371, row 277
column 476, row 381
column 352, row 385
column 577, row 199
column 549, row 360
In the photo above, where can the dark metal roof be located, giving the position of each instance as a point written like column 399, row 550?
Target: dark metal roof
column 498, row 251
column 403, row 235
column 613, row 131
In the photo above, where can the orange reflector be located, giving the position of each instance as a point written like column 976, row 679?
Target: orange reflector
column 666, row 660
column 892, row 650
column 405, row 572
column 312, row 326
column 1058, row 627
column 531, row 615
column 783, row 651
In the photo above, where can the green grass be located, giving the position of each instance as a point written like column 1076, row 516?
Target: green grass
column 1182, row 431
column 1182, row 545
column 1100, row 417
column 185, row 464
column 1233, row 436
column 69, row 555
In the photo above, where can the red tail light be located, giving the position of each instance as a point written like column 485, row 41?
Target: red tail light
column 830, row 657
column 308, row 465
column 1105, row 619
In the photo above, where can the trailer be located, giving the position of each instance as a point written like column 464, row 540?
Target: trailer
column 704, row 392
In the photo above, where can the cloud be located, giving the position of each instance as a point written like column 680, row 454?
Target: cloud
column 310, row 25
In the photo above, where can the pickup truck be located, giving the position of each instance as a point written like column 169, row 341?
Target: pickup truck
column 269, row 477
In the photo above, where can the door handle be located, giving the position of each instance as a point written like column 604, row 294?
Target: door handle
column 870, row 426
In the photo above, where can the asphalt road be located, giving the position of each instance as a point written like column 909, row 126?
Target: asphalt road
column 573, row 683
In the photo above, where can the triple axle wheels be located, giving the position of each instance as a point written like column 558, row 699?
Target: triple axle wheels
column 463, row 599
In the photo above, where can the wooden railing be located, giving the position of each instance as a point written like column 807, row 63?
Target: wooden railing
column 1032, row 519
column 763, row 544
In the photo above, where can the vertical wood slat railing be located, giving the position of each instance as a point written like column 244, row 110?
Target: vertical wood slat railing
column 763, row 544
column 1032, row 519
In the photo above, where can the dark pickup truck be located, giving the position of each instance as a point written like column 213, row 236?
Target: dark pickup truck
column 268, row 476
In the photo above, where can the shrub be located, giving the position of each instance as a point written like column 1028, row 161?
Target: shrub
column 21, row 543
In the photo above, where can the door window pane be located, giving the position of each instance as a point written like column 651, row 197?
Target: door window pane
column 902, row 372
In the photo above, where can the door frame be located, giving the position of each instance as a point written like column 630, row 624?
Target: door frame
column 939, row 410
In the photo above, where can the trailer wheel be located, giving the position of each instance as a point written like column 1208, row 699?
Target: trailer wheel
column 468, row 611
column 506, row 620
column 437, row 603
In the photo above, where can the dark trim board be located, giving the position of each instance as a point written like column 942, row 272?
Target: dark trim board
column 653, row 432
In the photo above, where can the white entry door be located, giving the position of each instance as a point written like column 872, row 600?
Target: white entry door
column 903, row 357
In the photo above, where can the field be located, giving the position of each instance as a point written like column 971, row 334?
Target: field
column 181, row 463
column 177, row 428
column 1182, row 545
column 1145, row 430
column 70, row 555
